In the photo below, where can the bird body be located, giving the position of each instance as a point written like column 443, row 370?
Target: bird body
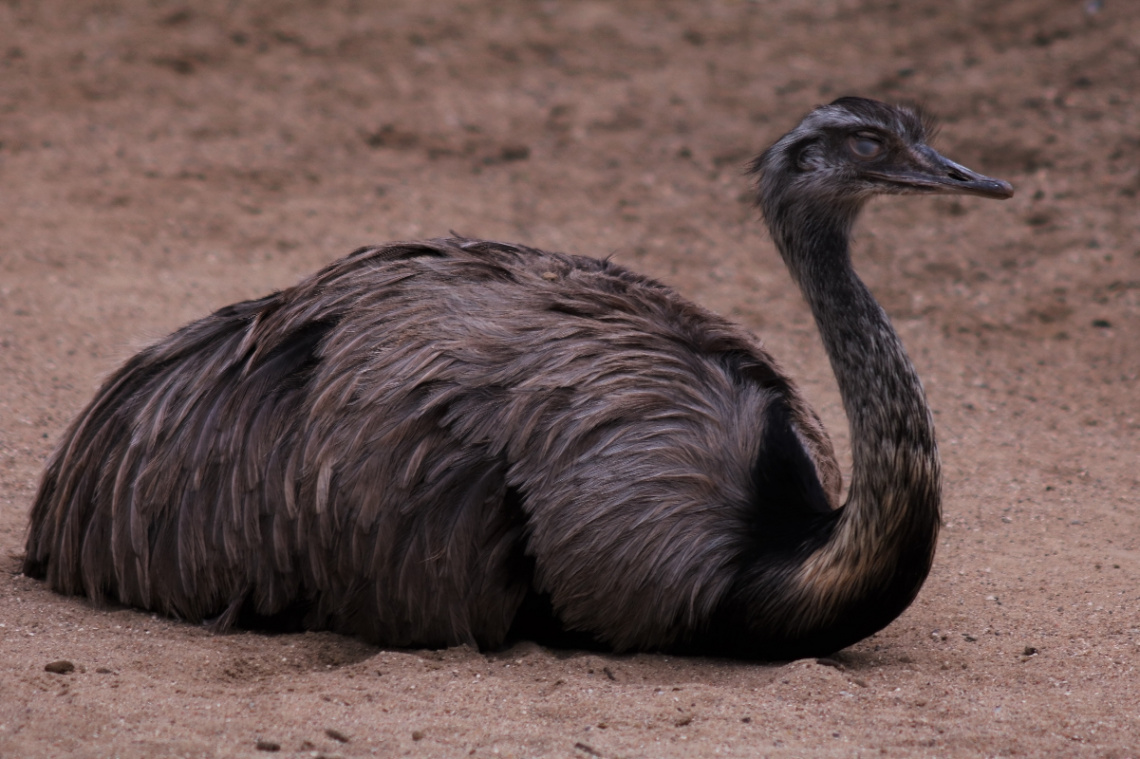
column 426, row 443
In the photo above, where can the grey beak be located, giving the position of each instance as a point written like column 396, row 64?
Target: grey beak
column 937, row 173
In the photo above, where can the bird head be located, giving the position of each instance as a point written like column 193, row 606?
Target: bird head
column 843, row 153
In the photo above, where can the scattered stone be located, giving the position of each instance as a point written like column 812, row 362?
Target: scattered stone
column 587, row 749
column 683, row 720
column 824, row 661
column 61, row 667
column 388, row 136
column 417, row 735
column 104, row 671
column 336, row 735
column 514, row 153
column 609, row 673
column 264, row 745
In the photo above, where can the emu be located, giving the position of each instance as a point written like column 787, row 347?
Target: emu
column 446, row 442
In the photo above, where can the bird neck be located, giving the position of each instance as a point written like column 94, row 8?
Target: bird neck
column 883, row 543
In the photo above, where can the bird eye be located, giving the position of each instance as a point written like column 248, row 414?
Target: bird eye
column 865, row 146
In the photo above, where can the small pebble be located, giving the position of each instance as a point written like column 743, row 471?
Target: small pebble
column 417, row 735
column 61, row 667
column 514, row 153
column 264, row 745
column 336, row 735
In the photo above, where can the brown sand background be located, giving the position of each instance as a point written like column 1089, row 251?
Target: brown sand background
column 161, row 159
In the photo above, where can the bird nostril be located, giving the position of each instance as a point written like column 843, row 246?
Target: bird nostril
column 957, row 175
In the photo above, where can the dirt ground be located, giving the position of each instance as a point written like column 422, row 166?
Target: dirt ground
column 161, row 159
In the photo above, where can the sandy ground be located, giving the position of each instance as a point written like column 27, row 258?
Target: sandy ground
column 159, row 160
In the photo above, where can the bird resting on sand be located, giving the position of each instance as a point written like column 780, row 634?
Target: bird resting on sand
column 461, row 441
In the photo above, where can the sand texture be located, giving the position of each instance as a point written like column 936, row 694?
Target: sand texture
column 159, row 160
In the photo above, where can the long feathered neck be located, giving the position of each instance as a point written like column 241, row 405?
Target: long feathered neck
column 883, row 545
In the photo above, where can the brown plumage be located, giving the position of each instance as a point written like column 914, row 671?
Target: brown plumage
column 430, row 443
